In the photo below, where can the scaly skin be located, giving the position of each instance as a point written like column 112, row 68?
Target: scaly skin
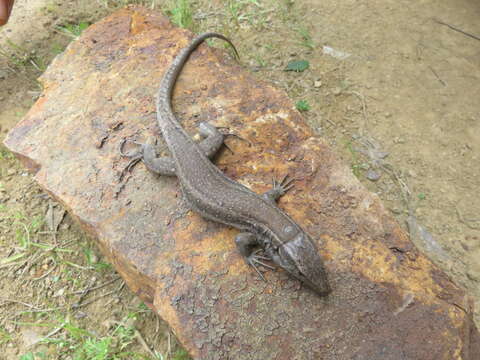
column 216, row 197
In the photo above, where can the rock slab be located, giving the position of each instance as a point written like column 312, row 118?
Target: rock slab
column 388, row 301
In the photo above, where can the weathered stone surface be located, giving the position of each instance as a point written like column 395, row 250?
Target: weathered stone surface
column 388, row 302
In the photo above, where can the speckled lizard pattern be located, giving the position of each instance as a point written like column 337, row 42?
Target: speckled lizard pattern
column 264, row 226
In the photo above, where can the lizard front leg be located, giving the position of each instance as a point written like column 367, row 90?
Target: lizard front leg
column 247, row 244
column 279, row 189
column 165, row 165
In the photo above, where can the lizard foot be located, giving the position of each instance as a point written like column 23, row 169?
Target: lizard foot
column 229, row 133
column 255, row 259
column 284, row 185
column 135, row 157
column 279, row 188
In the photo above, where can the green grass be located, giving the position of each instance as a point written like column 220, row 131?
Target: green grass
column 302, row 105
column 4, row 336
column 306, row 38
column 181, row 354
column 181, row 14
column 73, row 30
column 82, row 344
column 357, row 165
column 20, row 58
column 5, row 154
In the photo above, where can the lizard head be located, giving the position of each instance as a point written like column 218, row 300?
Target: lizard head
column 300, row 258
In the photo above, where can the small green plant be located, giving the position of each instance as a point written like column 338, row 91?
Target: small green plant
column 73, row 30
column 306, row 38
column 93, row 262
column 181, row 13
column 96, row 349
column 181, row 354
column 297, row 65
column 421, row 196
column 5, row 154
column 28, row 356
column 20, row 57
column 260, row 61
column 357, row 165
column 4, row 336
column 302, row 105
column 84, row 345
column 57, row 48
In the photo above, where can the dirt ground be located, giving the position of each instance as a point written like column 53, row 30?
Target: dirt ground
column 393, row 86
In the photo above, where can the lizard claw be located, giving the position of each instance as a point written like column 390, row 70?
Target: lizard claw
column 284, row 185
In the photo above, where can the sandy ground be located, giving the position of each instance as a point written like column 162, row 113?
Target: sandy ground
column 392, row 85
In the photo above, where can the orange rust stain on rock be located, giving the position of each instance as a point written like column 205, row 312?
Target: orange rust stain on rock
column 209, row 242
column 138, row 23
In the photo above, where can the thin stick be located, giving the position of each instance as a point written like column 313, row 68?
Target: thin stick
column 436, row 75
column 144, row 344
column 88, row 289
column 457, row 29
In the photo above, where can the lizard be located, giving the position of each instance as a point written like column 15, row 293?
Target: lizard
column 209, row 192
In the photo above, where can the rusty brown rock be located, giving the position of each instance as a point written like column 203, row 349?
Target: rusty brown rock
column 388, row 301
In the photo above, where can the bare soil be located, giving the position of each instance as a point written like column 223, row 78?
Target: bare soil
column 398, row 97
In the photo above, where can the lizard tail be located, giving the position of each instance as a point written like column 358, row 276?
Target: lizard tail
column 169, row 79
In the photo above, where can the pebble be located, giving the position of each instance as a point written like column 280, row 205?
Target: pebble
column 11, row 172
column 93, row 258
column 80, row 315
column 317, row 83
column 472, row 275
column 396, row 210
column 373, row 175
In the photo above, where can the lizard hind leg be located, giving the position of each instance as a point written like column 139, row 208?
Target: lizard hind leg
column 213, row 139
column 146, row 153
column 246, row 244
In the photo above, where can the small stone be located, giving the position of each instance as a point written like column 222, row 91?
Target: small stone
column 473, row 276
column 337, row 91
column 11, row 172
column 373, row 175
column 30, row 337
column 396, row 211
column 93, row 258
column 80, row 315
column 388, row 114
column 64, row 226
column 60, row 292
column 317, row 83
